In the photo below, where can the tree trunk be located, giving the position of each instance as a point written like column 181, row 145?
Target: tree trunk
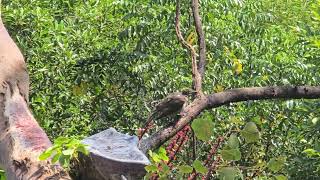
column 112, row 155
column 21, row 138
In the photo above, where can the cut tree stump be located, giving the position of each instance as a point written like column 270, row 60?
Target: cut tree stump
column 113, row 156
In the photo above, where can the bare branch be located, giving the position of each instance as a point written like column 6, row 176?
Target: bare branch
column 197, row 81
column 229, row 96
column 201, row 37
column 260, row 93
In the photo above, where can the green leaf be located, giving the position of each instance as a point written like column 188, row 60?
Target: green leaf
column 185, row 169
column 315, row 120
column 317, row 146
column 163, row 157
column 45, row 155
column 64, row 161
column 162, row 151
column 55, row 158
column 250, row 132
column 83, row 149
column 162, row 154
column 231, row 154
column 151, row 168
column 203, row 128
column 233, row 141
column 228, row 173
column 61, row 140
column 281, row 177
column 155, row 157
column 68, row 152
column 276, row 164
column 310, row 152
column 148, row 176
column 2, row 175
column 197, row 165
column 150, row 153
column 165, row 169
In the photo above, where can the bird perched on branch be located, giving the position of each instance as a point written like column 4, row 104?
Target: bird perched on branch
column 12, row 65
column 170, row 105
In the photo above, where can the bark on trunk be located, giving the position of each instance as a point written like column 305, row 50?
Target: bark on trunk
column 112, row 155
column 21, row 138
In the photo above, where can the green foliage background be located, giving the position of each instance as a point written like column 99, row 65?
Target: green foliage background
column 98, row 64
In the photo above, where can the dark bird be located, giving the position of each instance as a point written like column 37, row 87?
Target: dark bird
column 171, row 105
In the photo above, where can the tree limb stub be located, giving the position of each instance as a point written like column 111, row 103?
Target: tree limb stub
column 229, row 96
column 113, row 155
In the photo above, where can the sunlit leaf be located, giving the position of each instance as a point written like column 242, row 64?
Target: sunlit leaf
column 237, row 65
column 151, row 168
column 68, row 152
column 190, row 39
column 45, row 155
column 218, row 88
column 162, row 154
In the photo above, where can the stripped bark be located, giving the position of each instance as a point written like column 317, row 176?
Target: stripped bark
column 22, row 140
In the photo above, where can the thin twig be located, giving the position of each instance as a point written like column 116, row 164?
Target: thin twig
column 197, row 81
column 213, row 150
column 212, row 168
column 181, row 140
column 194, row 146
column 201, row 37
column 209, row 161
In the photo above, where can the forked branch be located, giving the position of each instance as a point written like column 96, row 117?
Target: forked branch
column 229, row 96
column 201, row 37
column 196, row 77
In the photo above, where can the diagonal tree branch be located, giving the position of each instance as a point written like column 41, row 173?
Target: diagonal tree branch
column 229, row 96
column 201, row 37
column 196, row 77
